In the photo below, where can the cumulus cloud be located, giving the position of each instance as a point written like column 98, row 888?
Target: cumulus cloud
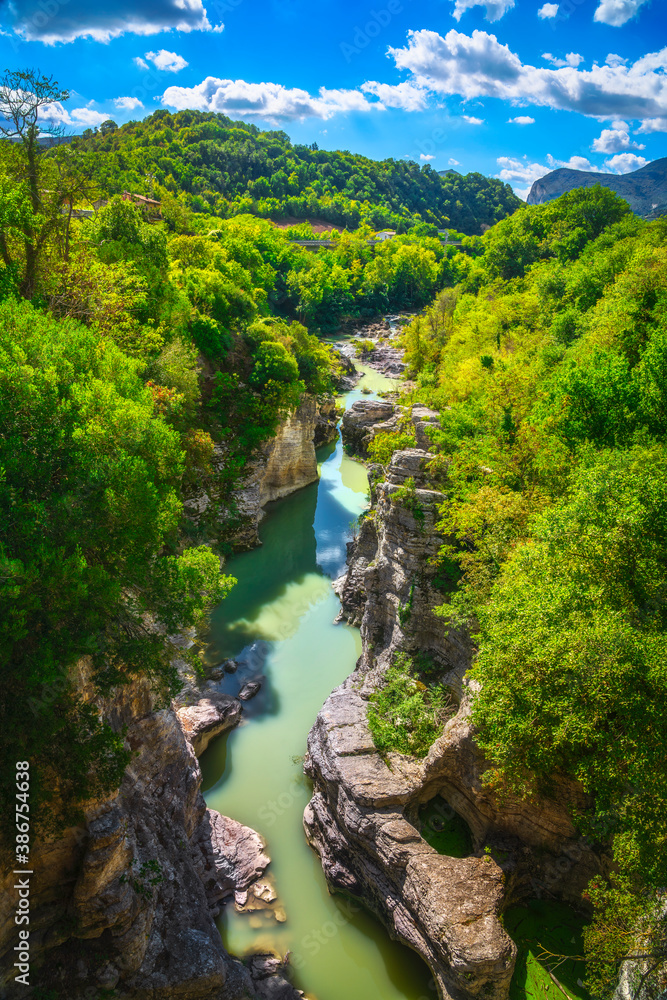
column 617, row 12
column 427, row 156
column 402, row 95
column 478, row 65
column 127, row 103
column 615, row 140
column 471, row 120
column 56, row 114
column 547, row 10
column 82, row 19
column 615, row 60
column 521, row 120
column 523, row 172
column 571, row 59
column 494, row 8
column 170, row 62
column 264, row 100
column 653, row 125
column 623, row 163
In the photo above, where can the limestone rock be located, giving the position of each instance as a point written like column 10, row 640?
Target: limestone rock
column 423, row 419
column 365, row 419
column 287, row 462
column 213, row 714
column 232, row 856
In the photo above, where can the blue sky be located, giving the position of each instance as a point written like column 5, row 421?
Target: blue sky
column 512, row 88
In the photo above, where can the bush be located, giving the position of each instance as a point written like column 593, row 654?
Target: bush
column 406, row 715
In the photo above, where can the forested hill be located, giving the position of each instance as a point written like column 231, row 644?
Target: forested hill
column 226, row 168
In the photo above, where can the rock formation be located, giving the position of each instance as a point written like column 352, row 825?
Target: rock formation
column 365, row 419
column 285, row 463
column 363, row 819
column 127, row 900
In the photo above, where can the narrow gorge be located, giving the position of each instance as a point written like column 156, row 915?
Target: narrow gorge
column 133, row 901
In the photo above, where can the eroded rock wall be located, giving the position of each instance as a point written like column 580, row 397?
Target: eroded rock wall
column 127, row 899
column 363, row 817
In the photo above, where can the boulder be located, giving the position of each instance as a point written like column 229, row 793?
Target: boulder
column 210, row 716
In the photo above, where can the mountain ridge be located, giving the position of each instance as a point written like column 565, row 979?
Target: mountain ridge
column 645, row 189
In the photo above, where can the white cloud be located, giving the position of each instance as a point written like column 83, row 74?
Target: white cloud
column 87, row 117
column 653, row 125
column 141, row 63
column 617, row 12
column 264, row 100
column 67, row 20
column 427, row 156
column 625, row 162
column 615, row 140
column 170, row 62
column 402, row 95
column 127, row 103
column 521, row 120
column 522, row 172
column 453, row 163
column 494, row 8
column 56, row 114
column 571, row 59
column 478, row 65
column 547, row 10
column 615, row 60
column 471, row 120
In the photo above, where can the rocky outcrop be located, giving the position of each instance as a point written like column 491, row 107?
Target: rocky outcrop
column 212, row 715
column 424, row 420
column 231, row 856
column 287, row 462
column 363, row 819
column 127, row 899
column 645, row 189
column 365, row 419
column 284, row 463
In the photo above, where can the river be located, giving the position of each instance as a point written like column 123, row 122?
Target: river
column 278, row 623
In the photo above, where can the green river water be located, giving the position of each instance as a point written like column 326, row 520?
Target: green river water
column 278, row 624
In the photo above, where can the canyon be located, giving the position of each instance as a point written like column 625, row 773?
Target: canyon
column 130, row 900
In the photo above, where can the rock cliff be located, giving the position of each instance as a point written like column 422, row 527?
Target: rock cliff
column 645, row 189
column 285, row 463
column 363, row 819
column 127, row 900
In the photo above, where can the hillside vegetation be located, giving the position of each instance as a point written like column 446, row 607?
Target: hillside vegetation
column 129, row 352
column 548, row 362
column 215, row 165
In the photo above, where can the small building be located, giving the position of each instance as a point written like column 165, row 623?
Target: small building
column 386, row 234
column 148, row 205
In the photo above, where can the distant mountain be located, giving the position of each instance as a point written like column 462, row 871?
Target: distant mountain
column 645, row 190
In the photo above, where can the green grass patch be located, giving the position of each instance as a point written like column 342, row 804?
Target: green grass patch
column 550, row 942
column 407, row 715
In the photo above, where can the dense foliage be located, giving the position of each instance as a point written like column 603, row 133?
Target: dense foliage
column 548, row 362
column 408, row 712
column 222, row 167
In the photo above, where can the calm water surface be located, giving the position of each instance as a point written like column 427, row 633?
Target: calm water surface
column 278, row 624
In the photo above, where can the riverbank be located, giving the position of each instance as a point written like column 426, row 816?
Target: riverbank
column 278, row 626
